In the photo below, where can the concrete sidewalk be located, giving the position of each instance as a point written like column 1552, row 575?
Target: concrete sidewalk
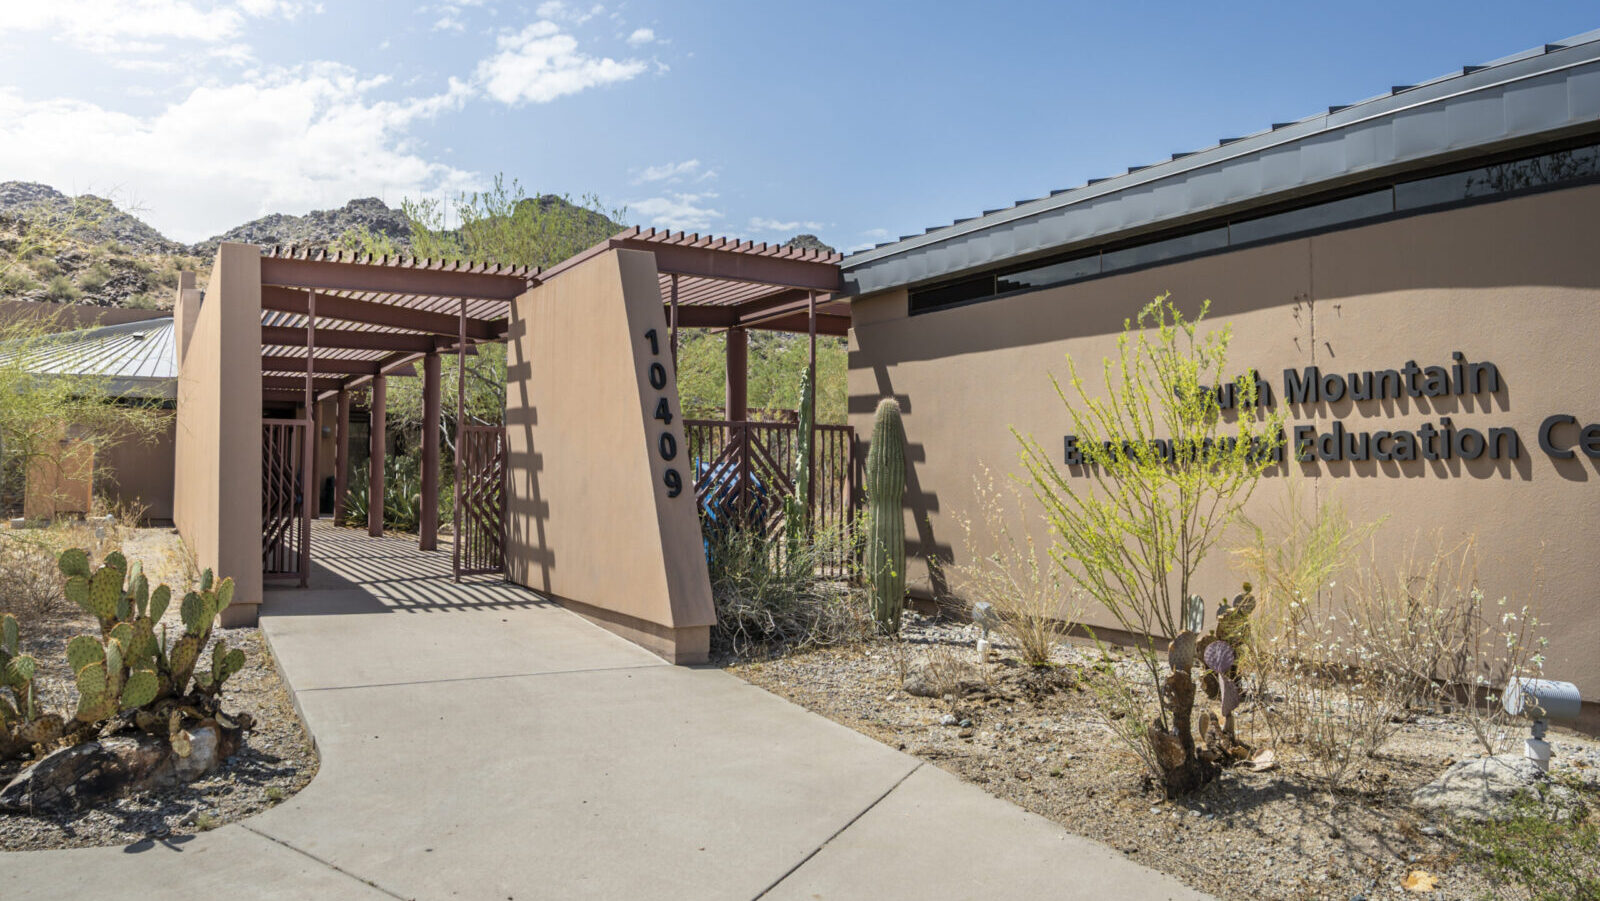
column 479, row 743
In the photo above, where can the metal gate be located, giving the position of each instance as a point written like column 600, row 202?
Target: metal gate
column 744, row 471
column 480, row 514
column 285, row 532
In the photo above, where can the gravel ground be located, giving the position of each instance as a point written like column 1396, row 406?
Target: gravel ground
column 1251, row 835
column 275, row 761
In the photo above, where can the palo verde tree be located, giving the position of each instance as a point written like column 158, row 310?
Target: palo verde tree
column 502, row 224
column 1161, row 468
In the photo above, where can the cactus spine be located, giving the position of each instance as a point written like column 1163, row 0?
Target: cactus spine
column 885, row 554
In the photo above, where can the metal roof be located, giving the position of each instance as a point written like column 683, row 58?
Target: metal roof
column 134, row 357
column 1541, row 94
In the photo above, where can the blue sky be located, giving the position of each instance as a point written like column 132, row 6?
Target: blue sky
column 858, row 121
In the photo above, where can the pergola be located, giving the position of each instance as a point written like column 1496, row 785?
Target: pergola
column 333, row 322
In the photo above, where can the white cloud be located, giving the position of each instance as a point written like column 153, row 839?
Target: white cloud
column 762, row 224
column 641, row 36
column 877, row 234
column 684, row 212
column 140, row 26
column 448, row 22
column 557, row 10
column 290, row 140
column 674, row 172
column 541, row 63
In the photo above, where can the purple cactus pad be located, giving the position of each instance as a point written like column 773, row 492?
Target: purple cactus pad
column 1219, row 656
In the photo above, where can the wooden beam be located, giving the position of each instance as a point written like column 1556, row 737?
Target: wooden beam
column 347, row 309
column 707, row 262
column 343, row 367
column 298, row 383
column 346, row 339
column 325, row 275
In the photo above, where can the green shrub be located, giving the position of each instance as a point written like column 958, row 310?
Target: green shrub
column 1549, row 846
column 95, row 278
column 142, row 301
column 62, row 289
column 17, row 281
column 770, row 596
column 46, row 267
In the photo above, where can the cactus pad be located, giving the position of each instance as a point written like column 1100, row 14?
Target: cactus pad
column 160, row 599
column 193, row 610
column 224, row 594
column 19, row 670
column 1230, row 695
column 77, row 591
column 1180, row 654
column 140, row 689
column 105, row 591
column 1194, row 613
column 205, row 580
column 9, row 638
column 1220, row 657
column 83, row 651
column 74, row 561
column 116, row 561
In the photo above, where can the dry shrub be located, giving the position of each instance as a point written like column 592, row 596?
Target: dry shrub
column 949, row 669
column 1017, row 578
column 1339, row 665
column 770, row 597
column 31, row 586
column 1123, row 704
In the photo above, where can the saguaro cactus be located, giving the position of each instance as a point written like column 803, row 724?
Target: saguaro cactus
column 886, row 527
column 797, row 509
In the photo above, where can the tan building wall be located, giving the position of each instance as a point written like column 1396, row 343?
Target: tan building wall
column 590, row 522
column 217, row 503
column 141, row 473
column 1516, row 283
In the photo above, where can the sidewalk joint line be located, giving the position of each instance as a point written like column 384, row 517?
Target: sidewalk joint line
column 332, row 866
column 829, row 840
column 559, row 672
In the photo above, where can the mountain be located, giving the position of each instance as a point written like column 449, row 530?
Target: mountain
column 318, row 227
column 109, row 257
column 91, row 219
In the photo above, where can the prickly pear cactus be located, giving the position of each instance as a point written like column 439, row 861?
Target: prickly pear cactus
column 1194, row 614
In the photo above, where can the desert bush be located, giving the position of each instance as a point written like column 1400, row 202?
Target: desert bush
column 16, row 281
column 1016, row 577
column 46, row 267
column 1161, row 472
column 61, row 290
column 31, row 588
column 95, row 277
column 1546, row 848
column 948, row 670
column 769, row 596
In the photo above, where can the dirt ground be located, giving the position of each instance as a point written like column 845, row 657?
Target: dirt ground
column 1036, row 740
column 275, row 761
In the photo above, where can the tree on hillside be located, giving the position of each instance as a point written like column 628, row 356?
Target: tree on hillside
column 500, row 225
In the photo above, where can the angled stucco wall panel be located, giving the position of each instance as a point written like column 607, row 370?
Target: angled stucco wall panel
column 590, row 522
column 217, row 457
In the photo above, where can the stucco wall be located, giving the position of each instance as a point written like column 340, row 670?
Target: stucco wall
column 1515, row 282
column 217, row 501
column 590, row 520
column 141, row 473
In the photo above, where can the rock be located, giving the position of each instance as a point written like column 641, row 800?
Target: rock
column 1480, row 788
column 947, row 720
column 918, row 685
column 87, row 774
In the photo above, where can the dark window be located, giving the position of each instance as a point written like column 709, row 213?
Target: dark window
column 1155, row 252
column 1312, row 218
column 952, row 293
column 1574, row 166
column 1050, row 274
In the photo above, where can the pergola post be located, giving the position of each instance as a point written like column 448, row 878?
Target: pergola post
column 737, row 363
column 811, row 376
column 377, row 446
column 428, row 528
column 341, row 454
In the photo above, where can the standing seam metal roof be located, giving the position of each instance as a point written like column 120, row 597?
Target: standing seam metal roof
column 1515, row 101
column 135, row 357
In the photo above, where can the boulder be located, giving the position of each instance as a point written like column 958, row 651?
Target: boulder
column 87, row 774
column 1481, row 788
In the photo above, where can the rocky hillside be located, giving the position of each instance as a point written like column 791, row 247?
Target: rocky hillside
column 318, row 227
column 109, row 257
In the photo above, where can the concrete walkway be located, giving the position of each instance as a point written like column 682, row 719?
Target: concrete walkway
column 480, row 743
